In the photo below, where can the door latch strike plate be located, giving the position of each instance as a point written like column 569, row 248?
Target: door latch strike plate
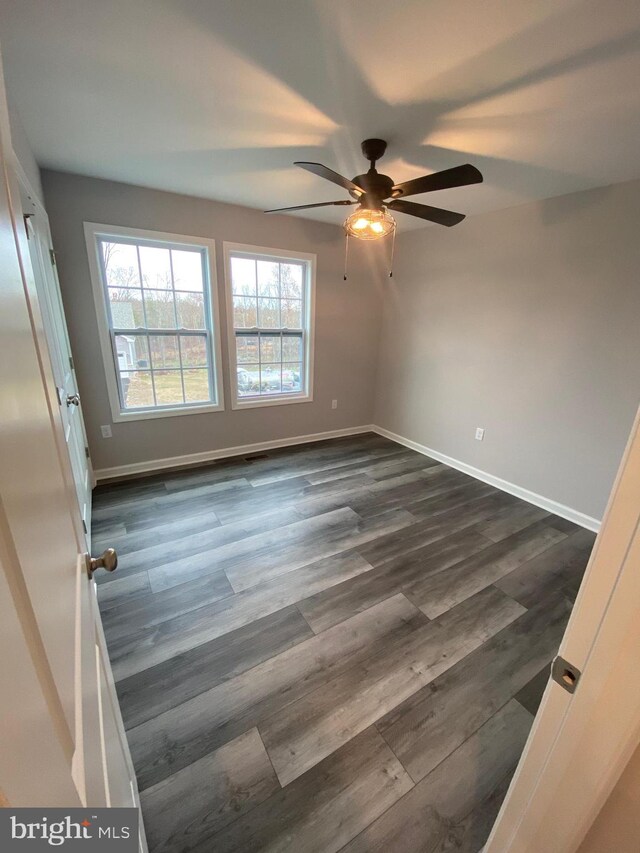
column 565, row 674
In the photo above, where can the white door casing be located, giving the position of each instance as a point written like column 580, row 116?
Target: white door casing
column 43, row 264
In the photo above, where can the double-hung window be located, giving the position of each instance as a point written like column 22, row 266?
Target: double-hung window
column 270, row 297
column 157, row 312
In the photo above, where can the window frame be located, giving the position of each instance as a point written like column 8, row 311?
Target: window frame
column 93, row 232
column 308, row 329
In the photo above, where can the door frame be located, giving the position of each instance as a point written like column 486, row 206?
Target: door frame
column 580, row 743
column 29, row 198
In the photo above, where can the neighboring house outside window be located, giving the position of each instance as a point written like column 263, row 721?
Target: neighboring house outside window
column 270, row 299
column 156, row 302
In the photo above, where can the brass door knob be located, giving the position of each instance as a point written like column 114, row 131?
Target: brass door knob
column 108, row 561
column 73, row 399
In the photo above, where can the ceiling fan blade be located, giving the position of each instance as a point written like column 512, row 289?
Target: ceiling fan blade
column 330, row 175
column 423, row 211
column 458, row 176
column 307, row 206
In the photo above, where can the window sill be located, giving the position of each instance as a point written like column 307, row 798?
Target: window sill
column 125, row 417
column 261, row 402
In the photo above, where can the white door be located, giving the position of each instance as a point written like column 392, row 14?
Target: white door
column 42, row 259
column 62, row 741
column 581, row 742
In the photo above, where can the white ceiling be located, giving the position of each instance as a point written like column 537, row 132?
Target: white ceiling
column 217, row 98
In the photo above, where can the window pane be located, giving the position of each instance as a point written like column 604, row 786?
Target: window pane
column 245, row 314
column 194, row 351
column 164, row 351
column 196, row 386
column 120, row 264
column 137, row 390
column 168, row 386
column 291, row 348
column 126, row 308
column 156, row 267
column 270, row 349
column 270, row 382
column 132, row 352
column 248, row 380
column 269, row 313
column 268, row 279
column 243, row 276
column 160, row 309
column 190, row 307
column 292, row 378
column 187, row 270
column 291, row 281
column 292, row 313
column 246, row 348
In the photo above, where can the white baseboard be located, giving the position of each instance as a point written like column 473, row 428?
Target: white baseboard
column 147, row 467
column 505, row 486
column 105, row 474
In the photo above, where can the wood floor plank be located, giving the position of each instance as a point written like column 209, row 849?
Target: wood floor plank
column 183, row 734
column 330, row 606
column 164, row 531
column 184, row 811
column 252, row 551
column 166, row 685
column 563, row 565
column 520, row 516
column 179, row 551
column 324, row 542
column 141, row 612
column 531, row 694
column 157, row 643
column 326, row 808
column 315, row 463
column 305, row 732
column 427, row 727
column 435, row 595
column 436, row 526
column 442, row 812
column 128, row 588
column 394, row 462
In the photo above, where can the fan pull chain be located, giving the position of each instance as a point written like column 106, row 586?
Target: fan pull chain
column 393, row 247
column 346, row 253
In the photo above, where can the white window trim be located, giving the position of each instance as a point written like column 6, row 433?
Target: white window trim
column 92, row 231
column 310, row 307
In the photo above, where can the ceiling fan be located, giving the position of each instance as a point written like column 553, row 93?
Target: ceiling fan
column 375, row 194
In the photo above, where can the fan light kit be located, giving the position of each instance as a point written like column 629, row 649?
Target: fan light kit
column 369, row 224
column 375, row 194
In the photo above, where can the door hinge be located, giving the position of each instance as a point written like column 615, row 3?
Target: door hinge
column 71, row 365
column 52, row 256
column 565, row 674
column 86, row 452
column 26, row 217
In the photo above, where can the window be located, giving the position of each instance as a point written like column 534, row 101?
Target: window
column 156, row 305
column 270, row 297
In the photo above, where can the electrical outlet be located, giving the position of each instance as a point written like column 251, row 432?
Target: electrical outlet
column 479, row 433
column 106, row 431
column 334, row 404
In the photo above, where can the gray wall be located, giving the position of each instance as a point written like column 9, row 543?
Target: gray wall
column 347, row 318
column 525, row 322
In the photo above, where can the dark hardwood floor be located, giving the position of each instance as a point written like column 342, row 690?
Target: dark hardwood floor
column 337, row 646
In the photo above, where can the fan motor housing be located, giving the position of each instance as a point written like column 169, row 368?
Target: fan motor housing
column 377, row 187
